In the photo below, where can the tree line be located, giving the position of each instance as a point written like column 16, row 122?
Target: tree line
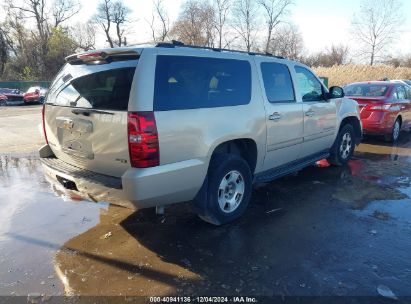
column 36, row 35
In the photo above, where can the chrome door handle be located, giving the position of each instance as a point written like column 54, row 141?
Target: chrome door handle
column 310, row 113
column 275, row 116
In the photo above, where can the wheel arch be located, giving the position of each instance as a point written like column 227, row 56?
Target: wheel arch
column 244, row 147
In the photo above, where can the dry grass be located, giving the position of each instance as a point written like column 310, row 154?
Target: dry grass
column 344, row 74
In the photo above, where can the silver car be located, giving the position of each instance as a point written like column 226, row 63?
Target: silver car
column 152, row 126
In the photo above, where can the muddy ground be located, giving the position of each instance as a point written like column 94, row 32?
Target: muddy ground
column 325, row 231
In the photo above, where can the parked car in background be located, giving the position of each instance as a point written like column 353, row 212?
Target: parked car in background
column 14, row 96
column 385, row 107
column 35, row 95
column 3, row 100
column 148, row 127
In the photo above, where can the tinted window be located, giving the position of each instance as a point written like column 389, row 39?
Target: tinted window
column 277, row 82
column 310, row 87
column 108, row 89
column 408, row 89
column 400, row 93
column 366, row 90
column 194, row 82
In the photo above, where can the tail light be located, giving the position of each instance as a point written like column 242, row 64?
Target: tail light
column 143, row 142
column 380, row 107
column 44, row 122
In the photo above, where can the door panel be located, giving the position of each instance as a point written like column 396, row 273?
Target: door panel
column 284, row 115
column 320, row 115
column 319, row 126
column 284, row 134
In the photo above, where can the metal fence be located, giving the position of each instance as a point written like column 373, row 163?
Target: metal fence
column 24, row 85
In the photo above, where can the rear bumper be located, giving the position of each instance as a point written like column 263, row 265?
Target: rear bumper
column 377, row 123
column 136, row 189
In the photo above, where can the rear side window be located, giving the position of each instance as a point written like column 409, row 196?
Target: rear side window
column 277, row 82
column 109, row 89
column 196, row 82
column 400, row 93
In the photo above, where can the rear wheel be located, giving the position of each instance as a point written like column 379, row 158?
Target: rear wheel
column 3, row 103
column 395, row 132
column 344, row 145
column 228, row 190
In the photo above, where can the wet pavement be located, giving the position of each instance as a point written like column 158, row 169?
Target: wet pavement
column 325, row 231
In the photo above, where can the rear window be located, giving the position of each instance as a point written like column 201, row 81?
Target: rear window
column 108, row 89
column 366, row 90
column 195, row 82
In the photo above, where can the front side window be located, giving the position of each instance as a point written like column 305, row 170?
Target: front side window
column 309, row 86
column 108, row 89
column 183, row 82
column 277, row 82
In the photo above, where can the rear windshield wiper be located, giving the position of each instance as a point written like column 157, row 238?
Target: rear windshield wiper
column 87, row 112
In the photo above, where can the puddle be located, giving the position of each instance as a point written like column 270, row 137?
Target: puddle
column 297, row 238
column 390, row 209
column 34, row 224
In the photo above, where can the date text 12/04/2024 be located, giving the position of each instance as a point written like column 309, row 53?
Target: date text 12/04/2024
column 237, row 299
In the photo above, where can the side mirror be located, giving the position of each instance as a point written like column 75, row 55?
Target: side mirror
column 336, row 92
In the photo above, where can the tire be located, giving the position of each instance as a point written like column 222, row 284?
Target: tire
column 395, row 132
column 3, row 103
column 344, row 145
column 227, row 190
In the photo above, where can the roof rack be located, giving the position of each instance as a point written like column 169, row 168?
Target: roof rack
column 175, row 43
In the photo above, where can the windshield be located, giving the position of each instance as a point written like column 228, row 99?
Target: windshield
column 366, row 90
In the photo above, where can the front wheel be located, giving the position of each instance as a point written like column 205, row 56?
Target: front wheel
column 344, row 145
column 228, row 190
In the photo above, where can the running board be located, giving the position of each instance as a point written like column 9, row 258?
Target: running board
column 289, row 168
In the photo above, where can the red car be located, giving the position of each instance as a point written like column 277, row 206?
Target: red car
column 34, row 94
column 3, row 100
column 13, row 97
column 385, row 107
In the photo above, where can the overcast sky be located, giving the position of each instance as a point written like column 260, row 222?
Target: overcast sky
column 321, row 22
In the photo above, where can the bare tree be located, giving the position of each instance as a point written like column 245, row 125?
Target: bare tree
column 33, row 9
column 104, row 19
column 120, row 16
column 274, row 11
column 112, row 13
column 335, row 55
column 376, row 26
column 4, row 50
column 63, row 10
column 160, row 14
column 287, row 42
column 245, row 21
column 195, row 25
column 221, row 14
column 84, row 35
